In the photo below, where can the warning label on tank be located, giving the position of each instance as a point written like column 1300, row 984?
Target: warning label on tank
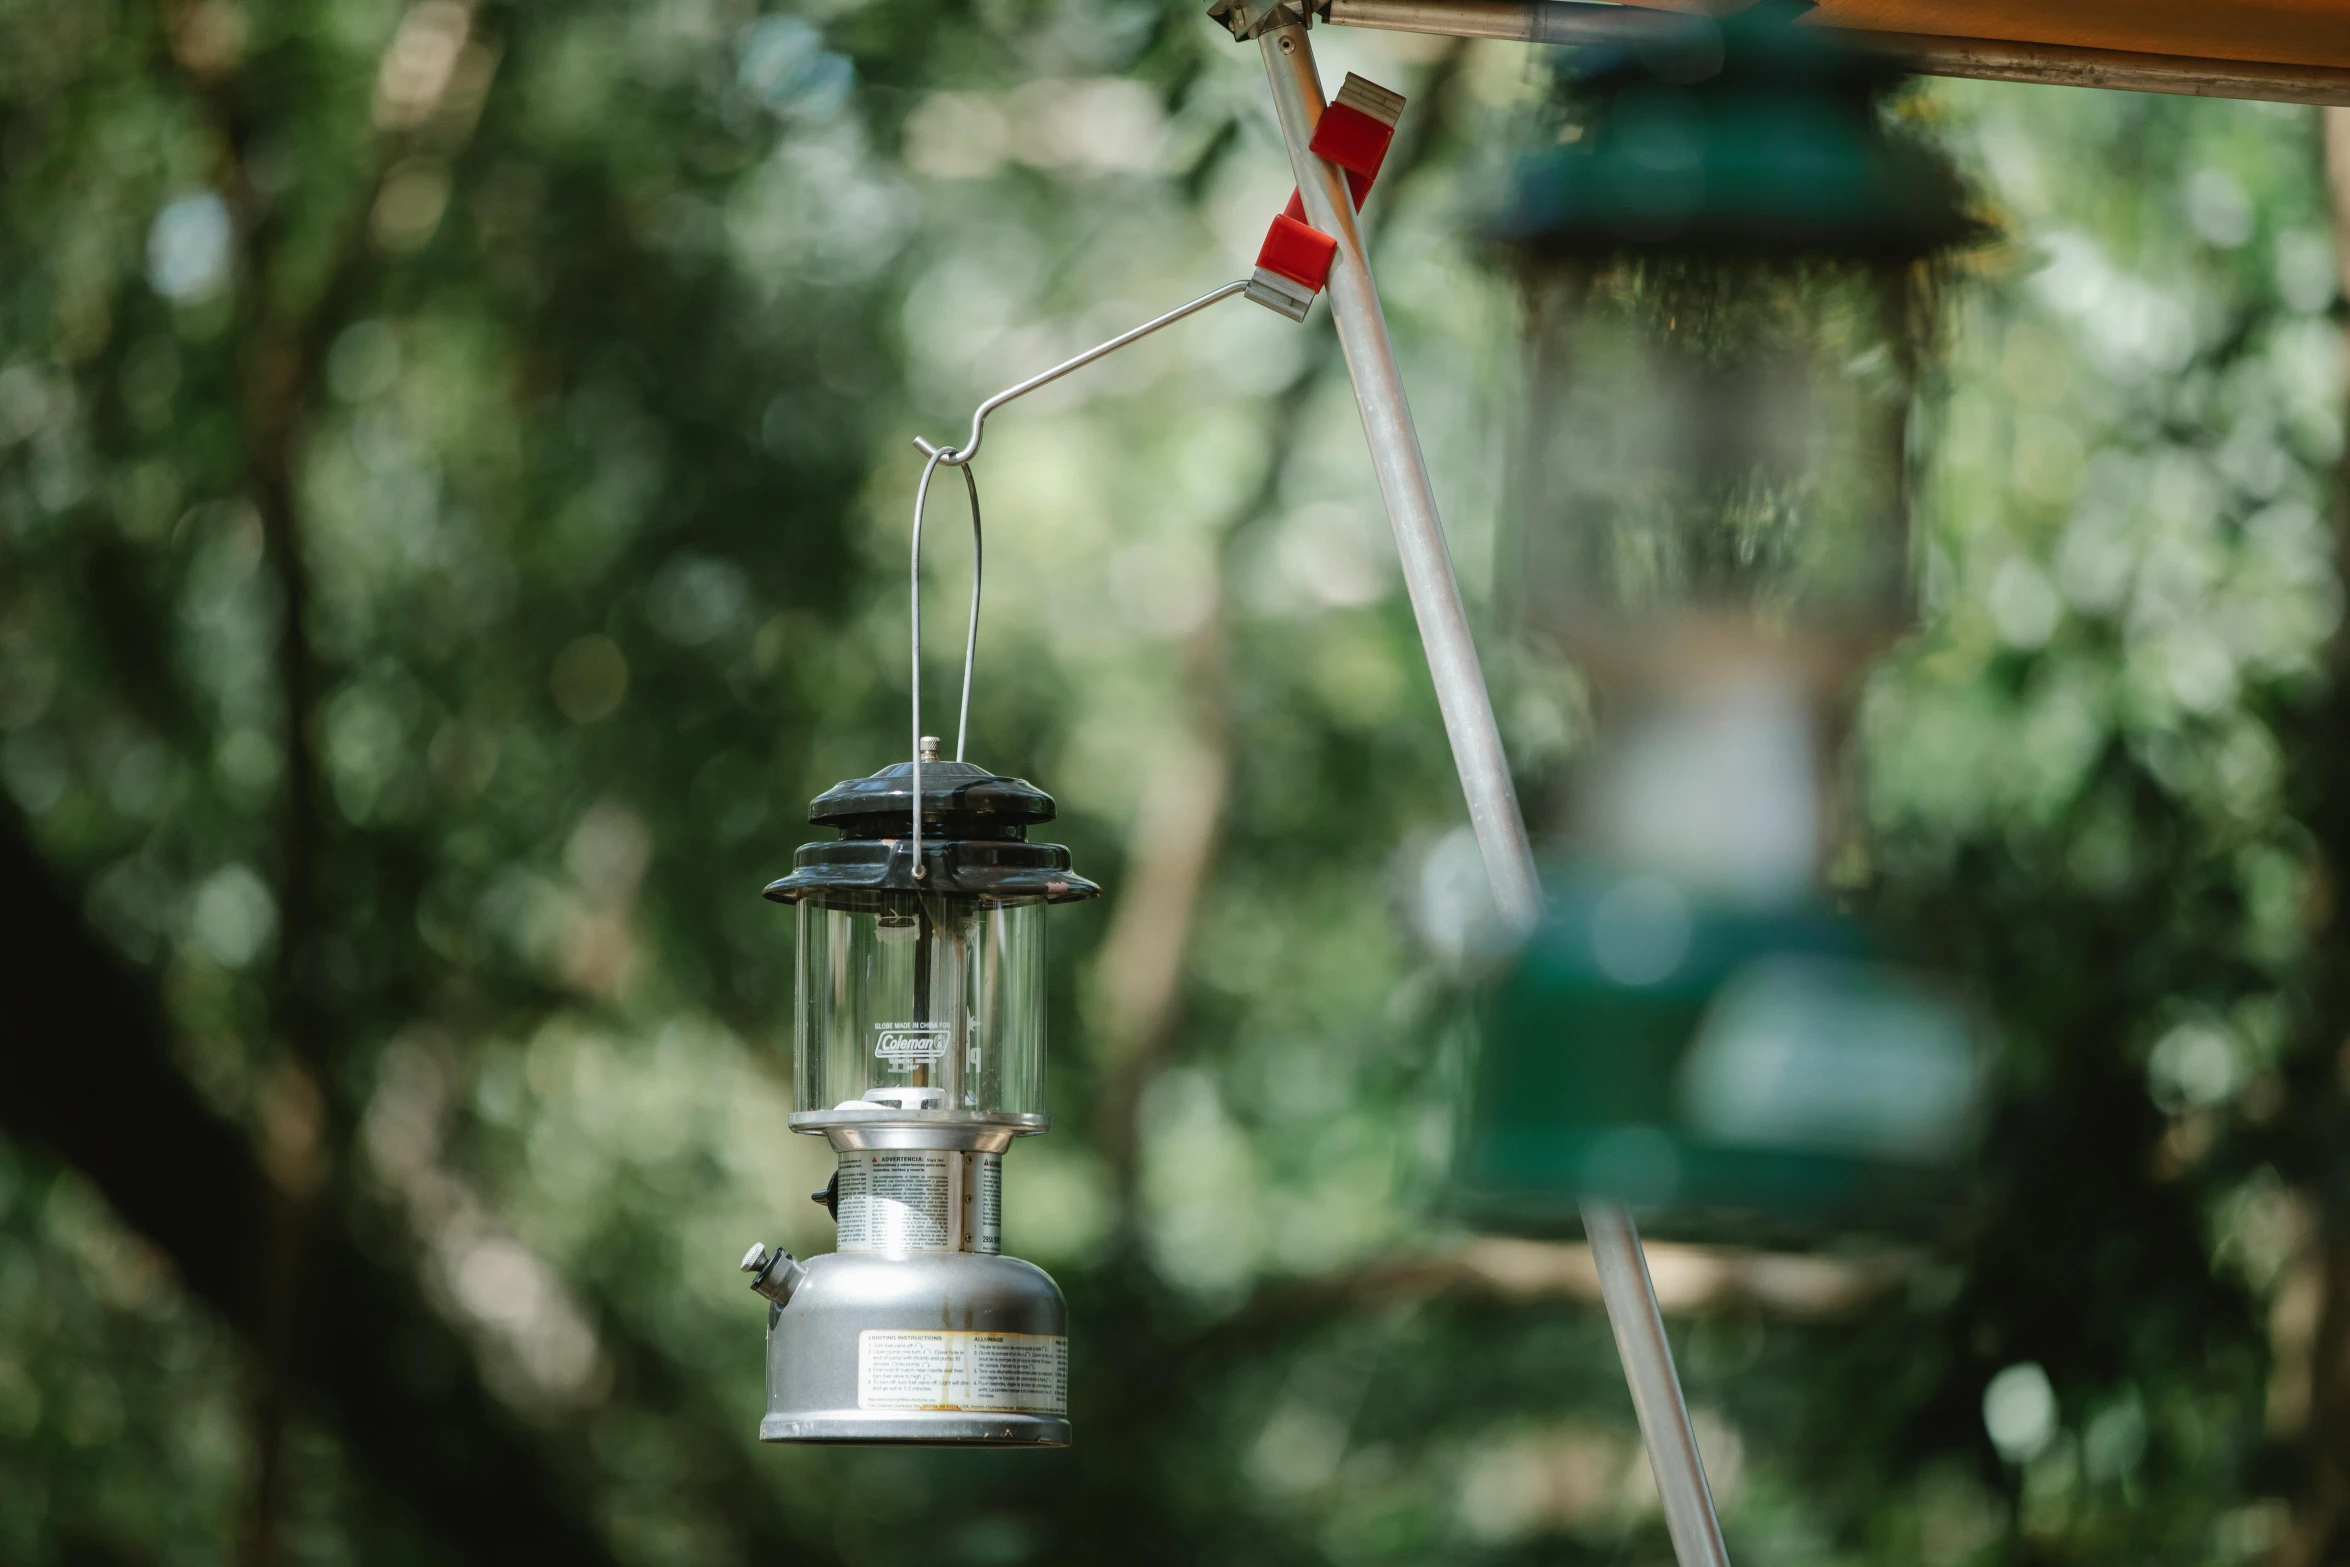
column 899, row 1199
column 1024, row 1373
column 919, row 1199
column 983, row 1202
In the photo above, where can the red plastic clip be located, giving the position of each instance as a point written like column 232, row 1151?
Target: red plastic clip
column 1354, row 133
column 1298, row 251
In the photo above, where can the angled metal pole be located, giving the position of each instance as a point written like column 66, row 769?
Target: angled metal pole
column 1477, row 753
column 1403, row 483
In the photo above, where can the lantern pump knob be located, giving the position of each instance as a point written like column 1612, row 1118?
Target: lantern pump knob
column 773, row 1274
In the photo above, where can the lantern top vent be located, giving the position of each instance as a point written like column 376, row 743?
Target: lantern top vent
column 1774, row 146
column 955, row 793
column 974, row 841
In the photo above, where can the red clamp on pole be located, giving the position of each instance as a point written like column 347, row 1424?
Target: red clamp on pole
column 1292, row 266
column 1354, row 133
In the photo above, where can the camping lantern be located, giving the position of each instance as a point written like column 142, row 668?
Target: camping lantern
column 1727, row 263
column 919, row 1054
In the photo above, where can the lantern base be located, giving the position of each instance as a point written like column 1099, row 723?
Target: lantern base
column 961, row 1349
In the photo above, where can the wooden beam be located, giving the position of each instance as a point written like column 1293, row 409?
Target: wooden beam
column 2258, row 32
column 2061, row 65
column 2296, row 73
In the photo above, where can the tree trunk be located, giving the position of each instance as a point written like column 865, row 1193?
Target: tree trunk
column 2321, row 1530
column 85, row 1071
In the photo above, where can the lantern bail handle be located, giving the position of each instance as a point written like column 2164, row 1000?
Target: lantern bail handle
column 970, row 633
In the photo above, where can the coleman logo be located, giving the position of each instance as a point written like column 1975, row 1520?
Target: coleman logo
column 907, row 1045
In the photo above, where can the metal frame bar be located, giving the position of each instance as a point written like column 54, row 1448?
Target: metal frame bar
column 1647, row 1356
column 1930, row 54
column 1477, row 753
column 1403, row 484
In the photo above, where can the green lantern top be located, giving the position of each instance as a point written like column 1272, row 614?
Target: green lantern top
column 1773, row 146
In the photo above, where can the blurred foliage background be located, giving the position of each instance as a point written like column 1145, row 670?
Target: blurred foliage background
column 454, row 472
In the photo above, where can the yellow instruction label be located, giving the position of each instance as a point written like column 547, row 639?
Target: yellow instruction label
column 1025, row 1373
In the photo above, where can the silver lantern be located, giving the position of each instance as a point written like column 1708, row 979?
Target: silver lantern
column 919, row 1053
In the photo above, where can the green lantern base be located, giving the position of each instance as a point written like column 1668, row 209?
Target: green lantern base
column 1728, row 1072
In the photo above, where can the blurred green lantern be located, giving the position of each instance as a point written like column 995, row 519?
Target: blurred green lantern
column 1727, row 260
column 1728, row 289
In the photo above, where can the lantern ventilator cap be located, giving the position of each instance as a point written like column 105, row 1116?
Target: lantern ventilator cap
column 949, row 789
column 974, row 841
column 1774, row 147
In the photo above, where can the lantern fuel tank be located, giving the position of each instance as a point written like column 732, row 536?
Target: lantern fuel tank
column 918, row 1046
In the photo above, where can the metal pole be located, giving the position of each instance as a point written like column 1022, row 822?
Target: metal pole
column 1526, row 21
column 1403, row 484
column 1477, row 753
column 1656, row 1391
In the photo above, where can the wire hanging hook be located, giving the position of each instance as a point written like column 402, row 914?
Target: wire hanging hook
column 959, row 456
column 970, row 633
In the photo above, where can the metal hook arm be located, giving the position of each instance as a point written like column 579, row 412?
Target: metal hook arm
column 956, row 456
column 960, row 457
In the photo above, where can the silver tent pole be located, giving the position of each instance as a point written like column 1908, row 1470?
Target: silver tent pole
column 1477, row 753
column 1403, row 483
